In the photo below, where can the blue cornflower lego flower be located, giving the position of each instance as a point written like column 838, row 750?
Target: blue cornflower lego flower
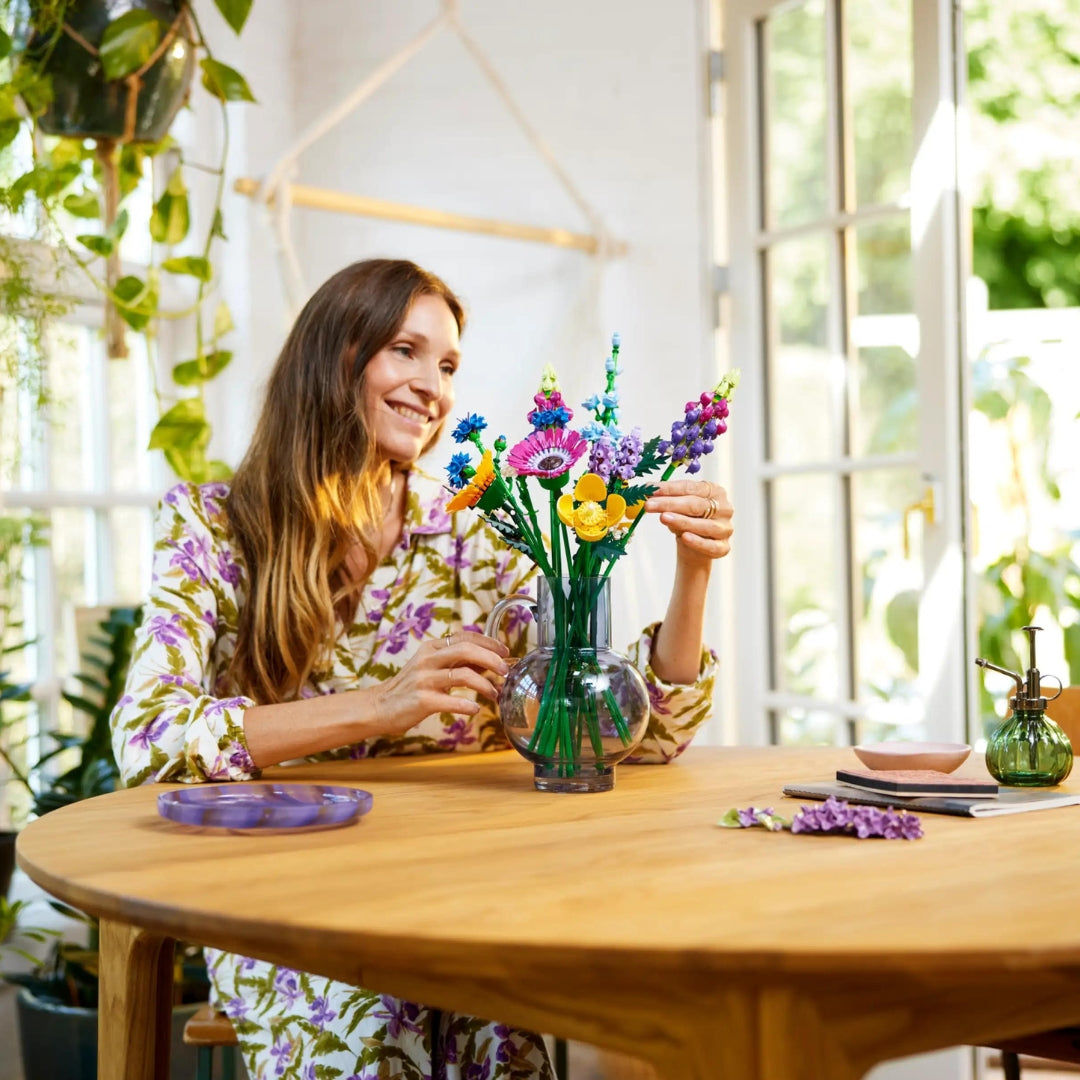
column 455, row 471
column 468, row 426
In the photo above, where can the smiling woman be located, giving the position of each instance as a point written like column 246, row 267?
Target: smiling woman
column 326, row 605
column 408, row 385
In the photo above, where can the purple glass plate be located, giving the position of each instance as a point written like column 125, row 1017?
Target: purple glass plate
column 250, row 807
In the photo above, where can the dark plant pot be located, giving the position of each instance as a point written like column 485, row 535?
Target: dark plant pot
column 61, row 1042
column 7, row 859
column 86, row 106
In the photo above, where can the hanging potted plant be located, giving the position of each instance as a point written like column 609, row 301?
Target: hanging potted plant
column 89, row 90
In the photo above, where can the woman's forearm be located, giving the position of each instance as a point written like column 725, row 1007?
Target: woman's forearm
column 295, row 729
column 676, row 650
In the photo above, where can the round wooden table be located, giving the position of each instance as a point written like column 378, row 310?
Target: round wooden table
column 626, row 920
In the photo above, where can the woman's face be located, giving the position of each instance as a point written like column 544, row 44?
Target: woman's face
column 409, row 384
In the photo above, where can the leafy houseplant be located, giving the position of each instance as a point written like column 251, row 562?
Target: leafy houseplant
column 88, row 92
column 1021, row 581
column 17, row 533
column 70, row 975
column 58, row 1002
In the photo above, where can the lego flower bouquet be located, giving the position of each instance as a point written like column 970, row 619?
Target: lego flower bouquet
column 573, row 706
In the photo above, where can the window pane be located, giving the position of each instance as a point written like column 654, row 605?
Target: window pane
column 795, row 126
column 70, row 463
column 15, row 159
column 72, row 538
column 804, row 727
column 129, row 404
column 800, row 396
column 878, row 85
column 886, row 596
column 884, row 341
column 131, row 532
column 805, row 552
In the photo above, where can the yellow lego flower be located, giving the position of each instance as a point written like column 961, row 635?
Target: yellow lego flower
column 591, row 511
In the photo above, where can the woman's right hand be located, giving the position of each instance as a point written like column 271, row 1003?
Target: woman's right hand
column 422, row 687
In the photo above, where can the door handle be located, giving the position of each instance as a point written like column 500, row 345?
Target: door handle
column 924, row 506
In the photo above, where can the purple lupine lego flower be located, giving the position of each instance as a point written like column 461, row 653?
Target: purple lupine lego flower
column 628, row 455
column 838, row 816
column 602, row 457
column 703, row 420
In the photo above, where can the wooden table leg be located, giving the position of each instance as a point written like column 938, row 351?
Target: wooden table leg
column 135, row 1003
column 755, row 1034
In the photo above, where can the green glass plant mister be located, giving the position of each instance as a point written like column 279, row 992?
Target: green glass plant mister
column 1028, row 749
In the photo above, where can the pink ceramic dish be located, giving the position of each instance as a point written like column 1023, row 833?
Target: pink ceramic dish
column 943, row 756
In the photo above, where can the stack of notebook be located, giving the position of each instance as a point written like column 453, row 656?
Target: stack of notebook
column 926, row 790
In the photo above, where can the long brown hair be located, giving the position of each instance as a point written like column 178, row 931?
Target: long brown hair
column 308, row 487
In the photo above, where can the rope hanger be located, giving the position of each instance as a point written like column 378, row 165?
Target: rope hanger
column 279, row 193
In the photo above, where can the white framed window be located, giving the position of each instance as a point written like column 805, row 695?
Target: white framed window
column 83, row 471
column 845, row 264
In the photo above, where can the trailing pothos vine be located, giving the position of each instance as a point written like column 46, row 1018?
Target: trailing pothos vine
column 50, row 177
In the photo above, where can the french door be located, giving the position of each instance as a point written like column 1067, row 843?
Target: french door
column 846, row 316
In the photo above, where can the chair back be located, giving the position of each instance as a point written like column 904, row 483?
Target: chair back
column 1065, row 711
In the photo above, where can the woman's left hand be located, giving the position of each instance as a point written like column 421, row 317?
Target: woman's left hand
column 698, row 513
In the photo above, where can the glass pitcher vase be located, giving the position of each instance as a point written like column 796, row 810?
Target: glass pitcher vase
column 573, row 706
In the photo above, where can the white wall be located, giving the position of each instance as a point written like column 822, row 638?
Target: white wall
column 618, row 92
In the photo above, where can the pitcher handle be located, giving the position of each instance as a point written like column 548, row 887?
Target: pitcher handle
column 494, row 620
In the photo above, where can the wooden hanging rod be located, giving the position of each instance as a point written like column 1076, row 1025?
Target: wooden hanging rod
column 341, row 203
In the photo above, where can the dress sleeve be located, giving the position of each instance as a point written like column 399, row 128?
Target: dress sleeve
column 169, row 725
column 676, row 710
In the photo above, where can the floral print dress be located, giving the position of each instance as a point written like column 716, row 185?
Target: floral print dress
column 180, row 719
